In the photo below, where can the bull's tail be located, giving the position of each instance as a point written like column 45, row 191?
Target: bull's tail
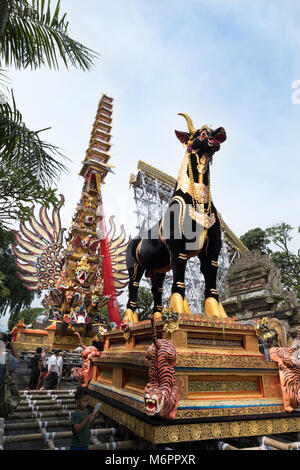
column 131, row 253
column 154, row 332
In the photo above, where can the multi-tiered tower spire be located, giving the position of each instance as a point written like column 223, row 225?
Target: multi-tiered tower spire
column 89, row 242
column 91, row 271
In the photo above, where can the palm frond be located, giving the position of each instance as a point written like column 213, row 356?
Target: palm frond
column 22, row 147
column 33, row 37
column 4, row 12
column 4, row 90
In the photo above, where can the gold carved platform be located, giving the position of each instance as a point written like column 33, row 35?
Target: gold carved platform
column 54, row 335
column 227, row 387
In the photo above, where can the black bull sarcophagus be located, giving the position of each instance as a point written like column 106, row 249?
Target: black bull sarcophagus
column 190, row 227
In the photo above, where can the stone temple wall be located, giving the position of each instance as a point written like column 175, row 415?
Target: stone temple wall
column 254, row 290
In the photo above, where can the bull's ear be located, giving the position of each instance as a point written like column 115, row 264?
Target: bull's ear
column 182, row 136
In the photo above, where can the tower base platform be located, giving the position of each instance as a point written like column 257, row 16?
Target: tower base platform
column 54, row 335
column 226, row 386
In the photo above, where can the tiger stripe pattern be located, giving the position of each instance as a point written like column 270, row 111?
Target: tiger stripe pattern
column 161, row 393
column 288, row 360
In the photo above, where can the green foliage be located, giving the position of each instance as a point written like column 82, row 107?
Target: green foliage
column 279, row 235
column 288, row 262
column 14, row 296
column 17, row 188
column 21, row 147
column 4, row 291
column 144, row 303
column 28, row 314
column 31, row 35
column 256, row 239
column 121, row 310
column 104, row 312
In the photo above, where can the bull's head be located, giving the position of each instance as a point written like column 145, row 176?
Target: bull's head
column 205, row 139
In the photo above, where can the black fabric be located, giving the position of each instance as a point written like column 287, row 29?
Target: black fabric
column 98, row 345
column 35, row 374
column 51, row 380
column 34, row 363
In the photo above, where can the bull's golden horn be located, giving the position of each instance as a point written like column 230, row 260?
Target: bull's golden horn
column 190, row 125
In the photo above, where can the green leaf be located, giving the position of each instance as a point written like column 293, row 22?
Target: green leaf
column 20, row 146
column 32, row 37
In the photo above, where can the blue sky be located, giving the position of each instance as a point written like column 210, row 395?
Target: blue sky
column 226, row 63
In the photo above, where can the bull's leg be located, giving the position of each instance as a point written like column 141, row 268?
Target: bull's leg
column 209, row 267
column 135, row 276
column 157, row 290
column 177, row 248
column 177, row 300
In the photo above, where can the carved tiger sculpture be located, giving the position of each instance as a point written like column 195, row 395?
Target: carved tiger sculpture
column 84, row 373
column 161, row 394
column 288, row 360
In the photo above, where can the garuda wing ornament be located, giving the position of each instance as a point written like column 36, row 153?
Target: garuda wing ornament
column 39, row 262
column 117, row 248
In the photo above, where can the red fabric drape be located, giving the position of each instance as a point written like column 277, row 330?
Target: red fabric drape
column 107, row 272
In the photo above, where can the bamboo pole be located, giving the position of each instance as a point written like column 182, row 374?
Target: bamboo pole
column 1, row 433
column 53, row 435
column 44, row 424
column 36, row 414
column 253, row 448
column 46, row 402
column 47, row 392
column 121, row 445
column 51, row 445
column 61, row 396
column 225, row 446
column 294, row 446
column 267, row 441
column 45, row 407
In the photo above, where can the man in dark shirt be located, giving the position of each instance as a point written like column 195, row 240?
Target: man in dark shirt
column 98, row 345
column 81, row 419
column 36, row 369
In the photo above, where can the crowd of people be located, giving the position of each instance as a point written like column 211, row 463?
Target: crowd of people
column 46, row 373
column 46, row 369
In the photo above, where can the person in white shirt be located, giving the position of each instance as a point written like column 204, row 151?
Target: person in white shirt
column 45, row 356
column 59, row 368
column 51, row 377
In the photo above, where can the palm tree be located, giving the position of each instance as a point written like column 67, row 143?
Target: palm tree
column 31, row 37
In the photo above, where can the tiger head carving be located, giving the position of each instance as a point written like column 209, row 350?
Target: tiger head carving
column 161, row 394
column 154, row 399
